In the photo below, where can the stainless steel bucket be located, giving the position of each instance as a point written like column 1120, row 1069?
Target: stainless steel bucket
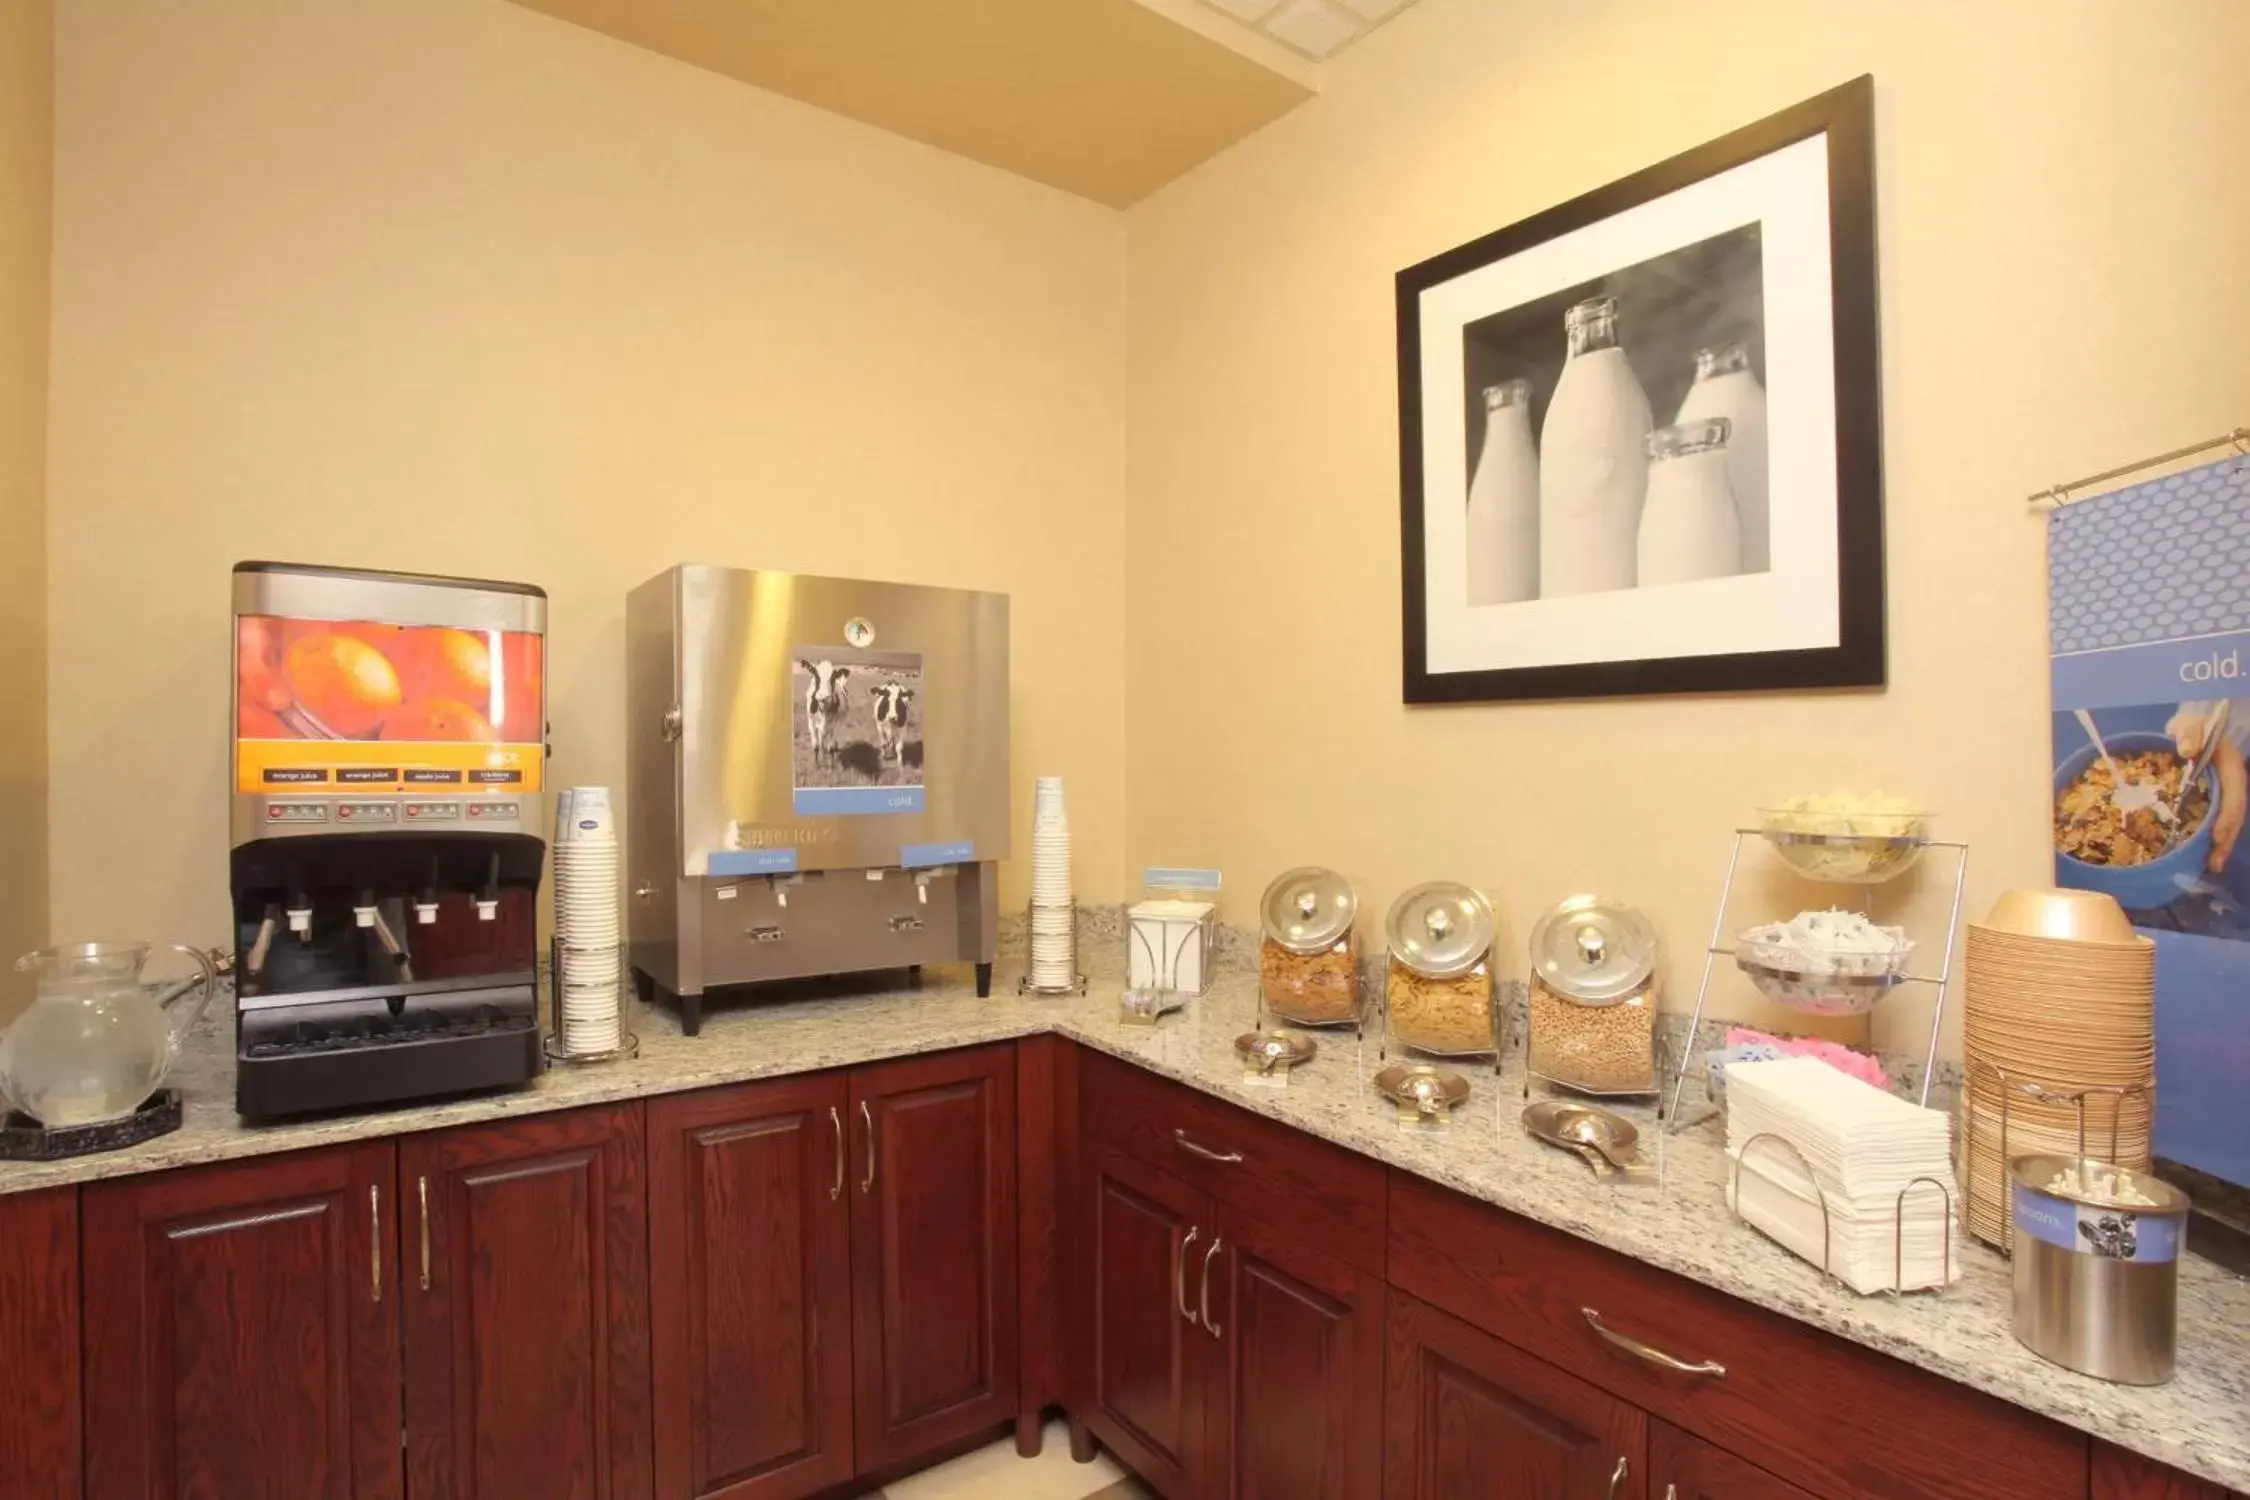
column 2097, row 1282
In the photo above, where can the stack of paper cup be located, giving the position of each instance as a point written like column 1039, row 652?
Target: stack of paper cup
column 589, row 977
column 1054, row 912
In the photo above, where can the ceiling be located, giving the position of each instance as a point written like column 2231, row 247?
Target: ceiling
column 1108, row 99
column 1316, row 29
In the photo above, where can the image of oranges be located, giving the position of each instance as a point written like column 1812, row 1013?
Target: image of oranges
column 445, row 719
column 342, row 681
column 445, row 663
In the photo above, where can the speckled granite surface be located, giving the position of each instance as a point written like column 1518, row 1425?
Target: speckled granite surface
column 1676, row 1220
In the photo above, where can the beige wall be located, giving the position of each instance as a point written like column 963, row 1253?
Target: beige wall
column 448, row 285
column 26, row 134
column 2063, row 212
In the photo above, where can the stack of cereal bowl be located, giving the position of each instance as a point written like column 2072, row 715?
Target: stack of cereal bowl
column 2059, row 1037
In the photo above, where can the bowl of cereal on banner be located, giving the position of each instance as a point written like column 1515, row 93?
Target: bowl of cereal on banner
column 2131, row 852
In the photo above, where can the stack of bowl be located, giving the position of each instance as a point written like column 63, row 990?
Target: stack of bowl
column 2060, row 1001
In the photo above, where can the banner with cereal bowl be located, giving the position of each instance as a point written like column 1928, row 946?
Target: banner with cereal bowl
column 2149, row 626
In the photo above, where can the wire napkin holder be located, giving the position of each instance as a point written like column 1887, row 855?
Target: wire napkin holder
column 1820, row 1196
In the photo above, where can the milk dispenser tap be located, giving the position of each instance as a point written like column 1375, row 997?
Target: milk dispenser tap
column 389, row 747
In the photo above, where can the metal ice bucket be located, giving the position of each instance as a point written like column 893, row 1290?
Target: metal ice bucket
column 2096, row 1282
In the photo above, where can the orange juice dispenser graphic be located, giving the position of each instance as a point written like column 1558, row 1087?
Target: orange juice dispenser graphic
column 389, row 749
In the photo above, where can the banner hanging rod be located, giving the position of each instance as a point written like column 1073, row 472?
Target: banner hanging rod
column 2050, row 499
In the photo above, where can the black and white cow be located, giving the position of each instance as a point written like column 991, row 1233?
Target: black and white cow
column 824, row 702
column 891, row 702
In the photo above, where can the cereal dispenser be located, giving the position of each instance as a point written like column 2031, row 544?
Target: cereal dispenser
column 1592, row 1008
column 1308, row 963
column 1437, row 993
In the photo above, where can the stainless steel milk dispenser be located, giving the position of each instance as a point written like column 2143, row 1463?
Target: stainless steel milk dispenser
column 818, row 771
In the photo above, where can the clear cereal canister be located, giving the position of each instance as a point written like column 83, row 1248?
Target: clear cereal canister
column 1437, row 992
column 1592, row 1008
column 1308, row 965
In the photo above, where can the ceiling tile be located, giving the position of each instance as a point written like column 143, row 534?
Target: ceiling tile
column 1314, row 27
column 1248, row 11
column 1377, row 10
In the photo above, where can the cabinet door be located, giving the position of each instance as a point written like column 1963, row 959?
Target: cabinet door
column 1472, row 1417
column 243, row 1337
column 750, row 1298
column 1299, row 1361
column 1681, row 1467
column 526, row 1309
column 1143, row 1356
column 40, row 1441
column 933, row 1193
column 2119, row 1475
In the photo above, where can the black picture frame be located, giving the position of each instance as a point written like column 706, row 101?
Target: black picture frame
column 1845, row 116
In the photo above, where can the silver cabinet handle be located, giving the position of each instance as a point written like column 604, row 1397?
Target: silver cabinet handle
column 1180, row 1138
column 1179, row 1274
column 1617, row 1478
column 1208, row 1326
column 375, row 1240
column 422, row 1194
column 867, row 1183
column 1648, row 1352
column 837, row 1122
column 1671, row 1492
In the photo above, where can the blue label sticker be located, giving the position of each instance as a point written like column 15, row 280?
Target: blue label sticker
column 1179, row 878
column 952, row 852
column 855, row 801
column 2083, row 1229
column 752, row 862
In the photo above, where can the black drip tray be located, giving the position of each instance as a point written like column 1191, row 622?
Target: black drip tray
column 25, row 1139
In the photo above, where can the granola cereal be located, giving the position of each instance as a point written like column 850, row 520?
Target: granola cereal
column 1312, row 989
column 2089, row 826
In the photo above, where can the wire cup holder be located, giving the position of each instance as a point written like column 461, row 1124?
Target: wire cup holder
column 1820, row 1196
column 2039, row 1091
column 1076, row 985
column 556, row 1047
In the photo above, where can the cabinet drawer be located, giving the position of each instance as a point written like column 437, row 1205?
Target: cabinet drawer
column 1331, row 1197
column 1821, row 1413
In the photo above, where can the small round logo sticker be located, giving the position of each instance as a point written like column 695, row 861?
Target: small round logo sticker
column 859, row 631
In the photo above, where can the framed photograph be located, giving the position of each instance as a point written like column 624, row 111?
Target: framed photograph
column 1639, row 435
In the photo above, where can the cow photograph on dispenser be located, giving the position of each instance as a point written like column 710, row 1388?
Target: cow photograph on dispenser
column 855, row 722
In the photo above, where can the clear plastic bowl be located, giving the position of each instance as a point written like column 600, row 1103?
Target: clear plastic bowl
column 1819, row 994
column 1856, row 848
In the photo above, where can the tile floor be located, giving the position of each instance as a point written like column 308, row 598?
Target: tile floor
column 995, row 1473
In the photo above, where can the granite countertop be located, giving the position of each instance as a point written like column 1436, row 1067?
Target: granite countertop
column 1675, row 1218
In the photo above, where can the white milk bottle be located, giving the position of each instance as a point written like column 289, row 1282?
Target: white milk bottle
column 1593, row 465
column 1503, row 541
column 1724, row 387
column 1689, row 529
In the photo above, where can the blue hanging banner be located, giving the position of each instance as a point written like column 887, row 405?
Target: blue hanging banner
column 2149, row 627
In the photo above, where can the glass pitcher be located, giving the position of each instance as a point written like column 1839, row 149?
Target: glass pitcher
column 94, row 1043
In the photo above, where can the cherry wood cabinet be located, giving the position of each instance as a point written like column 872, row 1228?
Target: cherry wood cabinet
column 525, row 1309
column 750, row 1290
column 2118, row 1475
column 1683, row 1467
column 932, row 1184
column 241, row 1339
column 1297, row 1368
column 1471, row 1416
column 1142, row 1364
column 40, row 1437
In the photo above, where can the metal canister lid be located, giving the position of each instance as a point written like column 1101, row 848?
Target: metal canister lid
column 1593, row 950
column 1440, row 929
column 1306, row 910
